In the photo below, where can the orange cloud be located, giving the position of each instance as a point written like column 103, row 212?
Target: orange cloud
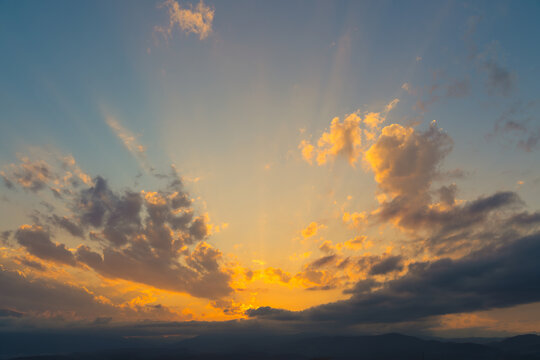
column 197, row 20
column 312, row 229
column 344, row 139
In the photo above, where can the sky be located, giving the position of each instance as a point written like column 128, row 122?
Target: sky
column 362, row 166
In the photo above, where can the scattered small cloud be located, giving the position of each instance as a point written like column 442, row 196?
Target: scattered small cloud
column 196, row 19
column 500, row 80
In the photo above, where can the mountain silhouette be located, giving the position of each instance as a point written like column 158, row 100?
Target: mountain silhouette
column 304, row 347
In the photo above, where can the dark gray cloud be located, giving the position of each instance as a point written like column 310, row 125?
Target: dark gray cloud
column 5, row 235
column 524, row 219
column 37, row 240
column 94, row 202
column 494, row 277
column 530, row 142
column 44, row 300
column 323, row 261
column 68, row 225
column 518, row 124
column 386, row 265
column 201, row 276
column 37, row 296
column 362, row 286
column 453, row 227
column 500, row 80
column 269, row 312
column 8, row 183
column 146, row 235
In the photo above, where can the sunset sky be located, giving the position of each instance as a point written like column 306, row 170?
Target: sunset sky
column 362, row 165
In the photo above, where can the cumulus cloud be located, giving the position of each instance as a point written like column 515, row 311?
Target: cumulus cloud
column 193, row 19
column 151, row 237
column 344, row 139
column 405, row 161
column 407, row 164
column 149, row 250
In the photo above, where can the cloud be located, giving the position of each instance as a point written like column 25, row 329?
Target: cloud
column 312, row 229
column 30, row 175
column 494, row 277
column 31, row 299
column 10, row 313
column 194, row 19
column 128, row 139
column 42, row 296
column 308, row 151
column 68, row 225
column 37, row 240
column 406, row 161
column 58, row 175
column 344, row 139
column 27, row 261
column 149, row 250
column 150, row 237
column 499, row 79
column 356, row 243
column 517, row 122
column 386, row 265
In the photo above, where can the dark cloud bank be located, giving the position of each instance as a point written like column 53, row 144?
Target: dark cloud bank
column 489, row 278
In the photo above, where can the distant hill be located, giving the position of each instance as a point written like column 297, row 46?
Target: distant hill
column 522, row 344
column 304, row 347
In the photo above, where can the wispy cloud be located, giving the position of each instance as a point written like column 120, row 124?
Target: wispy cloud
column 129, row 140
